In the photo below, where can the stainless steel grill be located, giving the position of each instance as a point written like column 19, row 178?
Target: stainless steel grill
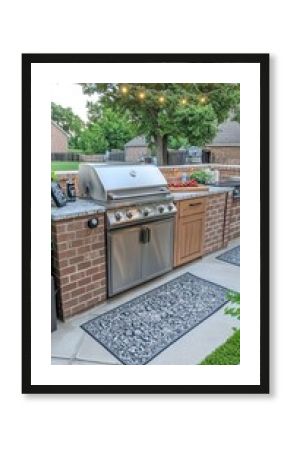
column 109, row 183
column 140, row 214
column 130, row 193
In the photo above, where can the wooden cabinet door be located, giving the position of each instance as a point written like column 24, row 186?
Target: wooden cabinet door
column 189, row 238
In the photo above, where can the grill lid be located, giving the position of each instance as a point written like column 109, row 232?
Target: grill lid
column 112, row 183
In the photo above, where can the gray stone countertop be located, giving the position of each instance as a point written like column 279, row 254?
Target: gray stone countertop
column 81, row 207
column 212, row 191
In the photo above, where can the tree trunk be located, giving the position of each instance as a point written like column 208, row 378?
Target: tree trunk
column 161, row 149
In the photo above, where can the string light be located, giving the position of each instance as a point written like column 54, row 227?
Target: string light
column 203, row 99
column 124, row 89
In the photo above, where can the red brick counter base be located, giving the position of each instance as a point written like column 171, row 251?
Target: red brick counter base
column 78, row 264
column 218, row 222
column 234, row 231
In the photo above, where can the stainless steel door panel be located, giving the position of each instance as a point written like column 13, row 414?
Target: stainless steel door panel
column 157, row 256
column 124, row 259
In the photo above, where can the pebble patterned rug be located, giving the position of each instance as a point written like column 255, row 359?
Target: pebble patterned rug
column 232, row 256
column 137, row 331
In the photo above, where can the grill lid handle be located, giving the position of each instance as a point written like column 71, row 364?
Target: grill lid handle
column 113, row 196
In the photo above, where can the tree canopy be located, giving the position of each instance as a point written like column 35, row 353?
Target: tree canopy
column 169, row 111
column 107, row 129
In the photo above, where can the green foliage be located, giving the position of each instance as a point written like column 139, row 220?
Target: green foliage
column 53, row 176
column 226, row 354
column 107, row 129
column 178, row 142
column 201, row 176
column 198, row 123
column 234, row 310
column 92, row 140
column 68, row 121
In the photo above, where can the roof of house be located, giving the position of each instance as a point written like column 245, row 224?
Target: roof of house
column 228, row 134
column 59, row 128
column 138, row 141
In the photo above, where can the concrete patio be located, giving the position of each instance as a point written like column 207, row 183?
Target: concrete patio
column 70, row 345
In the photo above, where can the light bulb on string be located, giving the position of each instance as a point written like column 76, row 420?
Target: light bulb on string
column 142, row 95
column 203, row 99
column 124, row 89
column 161, row 99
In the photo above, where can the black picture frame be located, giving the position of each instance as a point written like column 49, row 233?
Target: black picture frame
column 263, row 61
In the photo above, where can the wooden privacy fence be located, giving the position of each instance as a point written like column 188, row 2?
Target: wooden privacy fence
column 71, row 156
column 65, row 156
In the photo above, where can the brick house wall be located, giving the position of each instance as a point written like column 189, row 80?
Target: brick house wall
column 224, row 154
column 78, row 264
column 59, row 139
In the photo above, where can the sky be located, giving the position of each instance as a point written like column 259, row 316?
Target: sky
column 71, row 95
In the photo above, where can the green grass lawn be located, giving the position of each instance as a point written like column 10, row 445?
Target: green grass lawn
column 227, row 353
column 64, row 165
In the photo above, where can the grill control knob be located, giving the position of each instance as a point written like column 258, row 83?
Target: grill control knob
column 129, row 214
column 170, row 207
column 146, row 212
column 118, row 215
column 161, row 209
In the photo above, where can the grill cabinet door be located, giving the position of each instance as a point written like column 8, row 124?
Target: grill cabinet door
column 124, row 259
column 157, row 257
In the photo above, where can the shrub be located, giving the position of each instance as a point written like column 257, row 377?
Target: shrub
column 202, row 176
column 234, row 310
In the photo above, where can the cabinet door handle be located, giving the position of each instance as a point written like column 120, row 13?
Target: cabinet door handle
column 195, row 204
column 148, row 234
column 143, row 235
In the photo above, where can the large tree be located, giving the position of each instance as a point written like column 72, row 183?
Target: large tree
column 186, row 111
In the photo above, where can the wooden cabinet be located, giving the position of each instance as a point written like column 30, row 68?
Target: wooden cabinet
column 189, row 230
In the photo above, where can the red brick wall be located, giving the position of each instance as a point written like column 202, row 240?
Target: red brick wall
column 234, row 231
column 218, row 222
column 173, row 174
column 222, row 221
column 228, row 212
column 78, row 264
column 214, row 223
column 59, row 141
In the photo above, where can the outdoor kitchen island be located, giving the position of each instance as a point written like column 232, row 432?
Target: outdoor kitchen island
column 79, row 243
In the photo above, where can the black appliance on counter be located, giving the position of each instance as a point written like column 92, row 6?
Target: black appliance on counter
column 229, row 183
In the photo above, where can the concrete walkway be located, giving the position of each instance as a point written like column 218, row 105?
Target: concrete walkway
column 71, row 345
